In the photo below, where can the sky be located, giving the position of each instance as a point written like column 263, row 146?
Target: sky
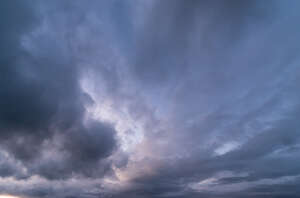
column 149, row 99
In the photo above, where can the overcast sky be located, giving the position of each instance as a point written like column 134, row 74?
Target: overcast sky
column 150, row 98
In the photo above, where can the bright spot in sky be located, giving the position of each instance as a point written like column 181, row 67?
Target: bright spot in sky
column 8, row 196
column 128, row 130
column 227, row 147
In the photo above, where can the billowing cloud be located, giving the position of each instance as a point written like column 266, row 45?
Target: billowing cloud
column 43, row 121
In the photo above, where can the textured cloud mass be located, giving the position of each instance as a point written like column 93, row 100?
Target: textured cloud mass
column 138, row 99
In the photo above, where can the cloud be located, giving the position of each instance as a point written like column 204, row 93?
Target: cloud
column 149, row 99
column 41, row 100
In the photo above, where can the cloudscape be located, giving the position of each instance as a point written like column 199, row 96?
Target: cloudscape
column 149, row 99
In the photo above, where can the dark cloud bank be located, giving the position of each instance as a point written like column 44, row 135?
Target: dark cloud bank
column 146, row 99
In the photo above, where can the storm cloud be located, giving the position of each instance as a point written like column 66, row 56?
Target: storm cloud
column 152, row 98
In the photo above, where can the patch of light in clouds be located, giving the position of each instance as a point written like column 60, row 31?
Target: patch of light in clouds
column 129, row 131
column 227, row 147
column 8, row 196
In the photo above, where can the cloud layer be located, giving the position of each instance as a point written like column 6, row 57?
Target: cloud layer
column 149, row 99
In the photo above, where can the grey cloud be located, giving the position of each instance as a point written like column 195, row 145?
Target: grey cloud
column 196, row 31
column 41, row 97
column 189, row 77
column 242, row 92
